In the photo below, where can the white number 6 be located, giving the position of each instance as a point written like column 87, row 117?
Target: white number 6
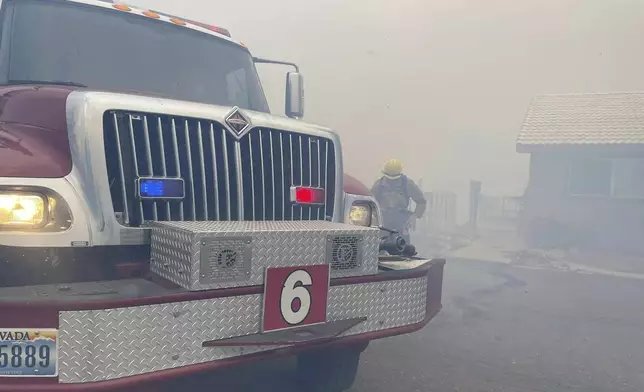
column 290, row 293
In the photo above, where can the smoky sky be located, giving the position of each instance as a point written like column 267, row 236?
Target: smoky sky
column 441, row 84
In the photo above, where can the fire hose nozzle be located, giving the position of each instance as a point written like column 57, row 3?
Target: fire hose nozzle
column 395, row 246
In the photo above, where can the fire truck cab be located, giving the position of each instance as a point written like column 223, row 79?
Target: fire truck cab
column 157, row 221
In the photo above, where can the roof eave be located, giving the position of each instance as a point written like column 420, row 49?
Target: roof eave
column 585, row 147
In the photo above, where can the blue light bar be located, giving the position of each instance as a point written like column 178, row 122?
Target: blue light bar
column 161, row 188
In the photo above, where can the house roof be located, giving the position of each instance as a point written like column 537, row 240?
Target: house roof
column 584, row 119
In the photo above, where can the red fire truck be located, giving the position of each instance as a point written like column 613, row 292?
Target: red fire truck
column 157, row 221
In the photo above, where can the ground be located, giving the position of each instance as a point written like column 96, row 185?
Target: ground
column 501, row 244
column 503, row 328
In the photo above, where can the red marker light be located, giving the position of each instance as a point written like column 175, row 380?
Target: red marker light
column 216, row 29
column 219, row 30
column 307, row 195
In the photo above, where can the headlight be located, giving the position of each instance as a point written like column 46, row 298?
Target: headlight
column 22, row 210
column 33, row 209
column 361, row 210
column 360, row 214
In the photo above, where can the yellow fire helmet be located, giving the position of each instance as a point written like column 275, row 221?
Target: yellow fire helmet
column 392, row 169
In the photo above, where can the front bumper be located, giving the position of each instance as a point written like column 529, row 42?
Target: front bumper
column 116, row 335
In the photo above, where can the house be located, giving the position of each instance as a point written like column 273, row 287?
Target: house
column 586, row 185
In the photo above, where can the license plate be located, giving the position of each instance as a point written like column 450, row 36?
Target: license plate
column 28, row 353
column 295, row 296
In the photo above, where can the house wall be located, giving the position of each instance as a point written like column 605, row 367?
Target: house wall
column 578, row 221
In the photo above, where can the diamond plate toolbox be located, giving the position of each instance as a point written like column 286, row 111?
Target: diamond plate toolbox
column 211, row 255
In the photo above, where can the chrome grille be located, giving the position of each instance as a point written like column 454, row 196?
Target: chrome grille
column 225, row 180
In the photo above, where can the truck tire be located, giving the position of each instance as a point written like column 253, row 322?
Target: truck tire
column 329, row 370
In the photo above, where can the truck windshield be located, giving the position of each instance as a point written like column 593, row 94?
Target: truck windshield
column 111, row 50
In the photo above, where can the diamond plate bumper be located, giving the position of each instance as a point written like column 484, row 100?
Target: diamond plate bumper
column 121, row 334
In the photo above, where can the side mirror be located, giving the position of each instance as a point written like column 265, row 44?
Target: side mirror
column 294, row 95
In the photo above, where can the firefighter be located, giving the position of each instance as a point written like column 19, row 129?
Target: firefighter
column 393, row 191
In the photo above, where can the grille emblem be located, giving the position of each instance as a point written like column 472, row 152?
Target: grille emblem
column 237, row 123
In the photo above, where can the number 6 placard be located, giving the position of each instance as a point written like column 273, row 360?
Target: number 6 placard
column 295, row 296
